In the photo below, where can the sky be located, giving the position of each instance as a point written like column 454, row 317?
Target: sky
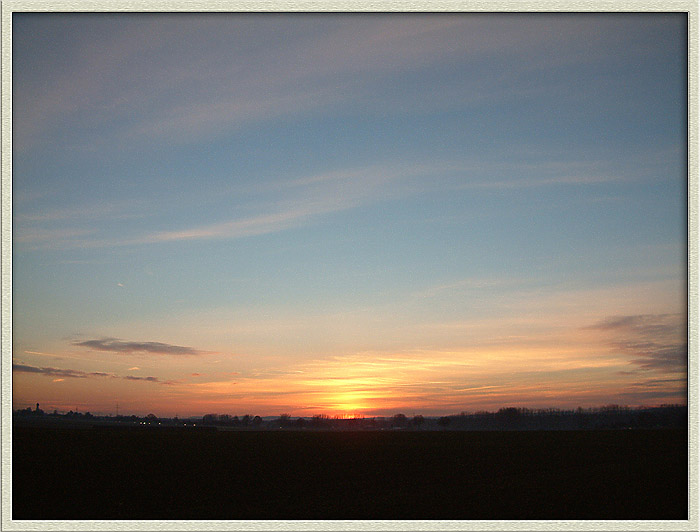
column 348, row 214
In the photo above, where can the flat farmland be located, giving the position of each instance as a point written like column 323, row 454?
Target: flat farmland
column 67, row 473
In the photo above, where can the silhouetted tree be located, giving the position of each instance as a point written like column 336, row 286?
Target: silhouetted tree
column 645, row 419
column 399, row 420
column 508, row 418
column 581, row 418
column 417, row 421
column 444, row 421
column 319, row 421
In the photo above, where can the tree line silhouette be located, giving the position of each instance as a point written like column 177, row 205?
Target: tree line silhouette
column 507, row 418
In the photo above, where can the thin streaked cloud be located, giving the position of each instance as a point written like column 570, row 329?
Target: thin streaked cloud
column 650, row 341
column 311, row 198
column 62, row 374
column 542, row 182
column 40, row 235
column 56, row 372
column 346, row 56
column 113, row 345
column 54, row 355
column 316, row 195
column 121, row 210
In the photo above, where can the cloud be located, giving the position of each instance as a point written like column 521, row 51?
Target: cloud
column 283, row 203
column 299, row 201
column 286, row 79
column 55, row 372
column 652, row 341
column 38, row 235
column 302, row 200
column 470, row 284
column 641, row 324
column 52, row 355
column 133, row 378
column 322, row 62
column 543, row 182
column 77, row 374
column 118, row 210
column 118, row 346
column 66, row 227
column 296, row 202
column 251, row 226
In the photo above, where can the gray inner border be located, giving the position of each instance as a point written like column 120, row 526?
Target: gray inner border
column 10, row 6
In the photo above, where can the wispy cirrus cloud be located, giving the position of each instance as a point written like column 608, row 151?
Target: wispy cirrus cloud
column 652, row 341
column 264, row 80
column 542, row 182
column 40, row 234
column 240, row 228
column 114, row 345
column 118, row 210
column 315, row 196
column 73, row 226
column 641, row 324
column 52, row 355
column 304, row 200
column 286, row 79
column 290, row 203
column 282, row 82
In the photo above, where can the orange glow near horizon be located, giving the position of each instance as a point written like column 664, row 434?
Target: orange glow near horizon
column 436, row 383
column 551, row 366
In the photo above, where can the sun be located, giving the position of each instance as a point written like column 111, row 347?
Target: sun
column 349, row 414
column 348, row 405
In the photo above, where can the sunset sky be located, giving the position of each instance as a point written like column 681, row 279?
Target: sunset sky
column 356, row 214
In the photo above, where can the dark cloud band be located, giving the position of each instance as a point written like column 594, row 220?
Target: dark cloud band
column 118, row 346
column 55, row 372
column 76, row 374
column 653, row 341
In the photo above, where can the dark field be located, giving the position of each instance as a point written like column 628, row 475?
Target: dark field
column 61, row 473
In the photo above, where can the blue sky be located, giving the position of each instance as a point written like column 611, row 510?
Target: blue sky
column 297, row 194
